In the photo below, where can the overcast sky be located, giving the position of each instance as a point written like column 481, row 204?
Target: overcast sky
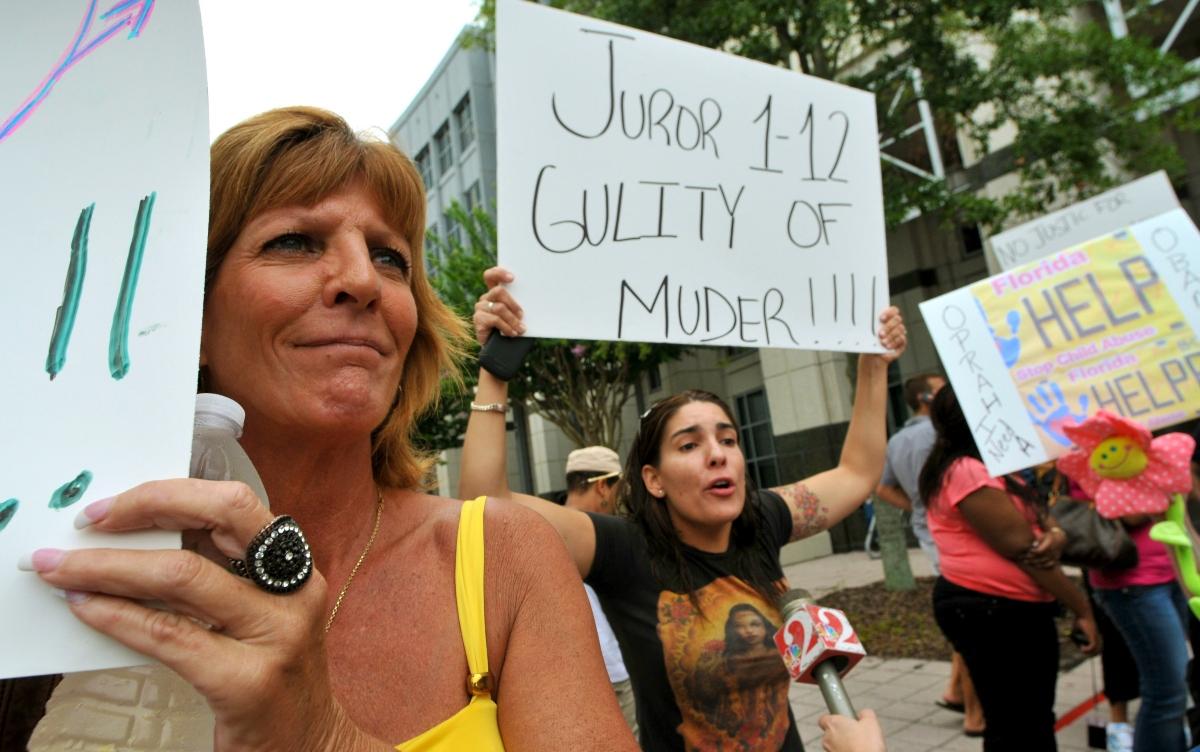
column 363, row 59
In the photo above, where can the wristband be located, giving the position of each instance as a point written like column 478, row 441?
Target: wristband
column 490, row 407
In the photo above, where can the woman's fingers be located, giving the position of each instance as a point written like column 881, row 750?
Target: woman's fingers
column 228, row 509
column 497, row 308
column 184, row 581
column 498, row 312
column 502, row 302
column 487, row 319
column 497, row 275
column 892, row 332
column 174, row 639
column 1093, row 634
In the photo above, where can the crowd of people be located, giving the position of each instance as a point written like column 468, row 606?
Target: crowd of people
column 360, row 611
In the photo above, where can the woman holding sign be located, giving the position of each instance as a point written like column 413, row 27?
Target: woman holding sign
column 699, row 549
column 994, row 600
column 320, row 322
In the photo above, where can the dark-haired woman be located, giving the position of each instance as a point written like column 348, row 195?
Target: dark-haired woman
column 993, row 601
column 696, row 541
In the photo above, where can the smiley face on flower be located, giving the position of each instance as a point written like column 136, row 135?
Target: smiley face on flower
column 1118, row 457
column 1123, row 469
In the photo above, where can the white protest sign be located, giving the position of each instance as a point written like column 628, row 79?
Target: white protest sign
column 1172, row 246
column 652, row 190
column 1096, row 216
column 1107, row 324
column 104, row 152
column 1003, row 431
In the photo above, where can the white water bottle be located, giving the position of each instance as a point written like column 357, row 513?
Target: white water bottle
column 216, row 453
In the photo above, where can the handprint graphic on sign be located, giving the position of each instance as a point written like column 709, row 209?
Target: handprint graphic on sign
column 1010, row 346
column 1049, row 409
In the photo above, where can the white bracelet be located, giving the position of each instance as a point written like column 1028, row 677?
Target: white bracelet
column 490, row 407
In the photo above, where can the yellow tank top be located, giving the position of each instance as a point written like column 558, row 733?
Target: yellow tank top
column 474, row 727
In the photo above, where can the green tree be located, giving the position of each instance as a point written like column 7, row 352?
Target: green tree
column 581, row 386
column 1086, row 109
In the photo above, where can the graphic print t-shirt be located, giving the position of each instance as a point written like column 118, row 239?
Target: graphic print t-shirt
column 708, row 679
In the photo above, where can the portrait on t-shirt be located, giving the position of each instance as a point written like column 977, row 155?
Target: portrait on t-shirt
column 729, row 683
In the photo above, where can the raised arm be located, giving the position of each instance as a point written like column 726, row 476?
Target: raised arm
column 819, row 502
column 485, row 453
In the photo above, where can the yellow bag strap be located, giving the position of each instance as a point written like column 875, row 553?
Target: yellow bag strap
column 468, row 591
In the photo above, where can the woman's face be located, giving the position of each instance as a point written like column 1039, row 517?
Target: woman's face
column 749, row 628
column 701, row 471
column 310, row 317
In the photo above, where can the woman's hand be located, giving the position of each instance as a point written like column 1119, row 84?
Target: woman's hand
column 1046, row 550
column 844, row 734
column 258, row 658
column 892, row 334
column 1087, row 625
column 496, row 308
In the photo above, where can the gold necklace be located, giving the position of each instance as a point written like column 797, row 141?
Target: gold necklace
column 374, row 531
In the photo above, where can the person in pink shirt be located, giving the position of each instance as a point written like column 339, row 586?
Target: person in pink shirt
column 994, row 601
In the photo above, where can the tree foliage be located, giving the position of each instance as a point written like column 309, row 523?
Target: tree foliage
column 1083, row 110
column 581, row 386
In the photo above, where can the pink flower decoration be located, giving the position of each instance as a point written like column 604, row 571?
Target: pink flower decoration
column 1143, row 491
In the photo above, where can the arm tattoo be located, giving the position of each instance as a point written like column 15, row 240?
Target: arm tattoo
column 809, row 516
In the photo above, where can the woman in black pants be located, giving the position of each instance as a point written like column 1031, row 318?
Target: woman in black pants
column 994, row 601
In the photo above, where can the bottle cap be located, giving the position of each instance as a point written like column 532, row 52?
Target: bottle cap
column 218, row 411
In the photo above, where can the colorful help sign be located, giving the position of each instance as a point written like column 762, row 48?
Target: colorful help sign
column 104, row 149
column 656, row 191
column 814, row 634
column 1108, row 324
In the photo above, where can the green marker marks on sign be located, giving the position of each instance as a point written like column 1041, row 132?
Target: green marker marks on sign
column 118, row 338
column 64, row 317
column 8, row 510
column 69, row 493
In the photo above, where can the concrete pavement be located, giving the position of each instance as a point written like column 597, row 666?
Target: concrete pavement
column 902, row 691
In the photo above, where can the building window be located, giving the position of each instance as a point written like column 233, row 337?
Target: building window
column 443, row 149
column 972, row 240
column 758, row 440
column 654, row 378
column 424, row 166
column 473, row 197
column 465, row 122
column 453, row 231
column 432, row 250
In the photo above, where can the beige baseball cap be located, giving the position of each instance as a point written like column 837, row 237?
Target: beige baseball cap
column 594, row 459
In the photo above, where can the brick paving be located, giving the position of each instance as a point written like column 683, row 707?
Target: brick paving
column 140, row 709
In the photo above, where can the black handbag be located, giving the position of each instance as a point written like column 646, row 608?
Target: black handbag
column 1092, row 541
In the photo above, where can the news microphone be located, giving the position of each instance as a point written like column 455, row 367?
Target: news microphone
column 819, row 647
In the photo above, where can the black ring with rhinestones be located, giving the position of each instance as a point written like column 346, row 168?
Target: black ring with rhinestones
column 278, row 560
